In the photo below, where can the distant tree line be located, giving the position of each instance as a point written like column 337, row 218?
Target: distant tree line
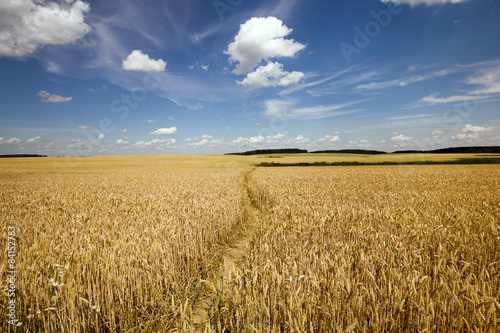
column 350, row 151
column 272, row 151
column 451, row 150
column 460, row 161
column 455, row 150
column 22, row 155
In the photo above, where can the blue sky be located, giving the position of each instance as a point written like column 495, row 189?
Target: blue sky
column 205, row 77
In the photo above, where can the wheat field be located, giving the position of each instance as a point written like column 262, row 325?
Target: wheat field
column 212, row 244
column 115, row 251
column 371, row 249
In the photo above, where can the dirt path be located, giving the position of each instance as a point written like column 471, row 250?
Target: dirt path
column 239, row 245
column 229, row 263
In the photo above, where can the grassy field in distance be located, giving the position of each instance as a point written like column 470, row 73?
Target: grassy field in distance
column 329, row 158
column 209, row 161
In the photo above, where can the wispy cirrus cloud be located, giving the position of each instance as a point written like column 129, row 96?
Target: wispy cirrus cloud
column 424, row 2
column 481, row 84
column 289, row 109
column 432, row 99
column 405, row 81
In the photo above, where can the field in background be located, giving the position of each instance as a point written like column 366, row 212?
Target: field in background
column 140, row 243
column 332, row 158
column 141, row 162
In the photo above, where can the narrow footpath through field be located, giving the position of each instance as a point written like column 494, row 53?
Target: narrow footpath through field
column 229, row 267
column 238, row 247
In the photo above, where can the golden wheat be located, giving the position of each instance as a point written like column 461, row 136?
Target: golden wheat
column 115, row 251
column 371, row 249
column 141, row 247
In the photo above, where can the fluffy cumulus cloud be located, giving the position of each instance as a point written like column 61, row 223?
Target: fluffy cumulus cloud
column 140, row 62
column 359, row 143
column 164, row 131
column 53, row 98
column 302, row 139
column 203, row 142
column 34, row 140
column 261, row 38
column 332, row 139
column 259, row 139
column 423, row 2
column 476, row 129
column 11, row 141
column 471, row 133
column 26, row 25
column 122, row 142
column 401, row 138
column 155, row 142
column 271, row 74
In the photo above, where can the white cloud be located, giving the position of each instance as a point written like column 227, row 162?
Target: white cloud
column 405, row 81
column 466, row 136
column 151, row 121
column 322, row 111
column 451, row 99
column 401, row 138
column 286, row 108
column 203, row 142
column 260, row 139
column 476, row 129
column 33, row 140
column 142, row 144
column 359, row 143
column 424, row 2
column 217, row 141
column 12, row 141
column 48, row 98
column 302, row 139
column 489, row 79
column 84, row 127
column 256, row 139
column 276, row 107
column 261, row 38
column 26, row 25
column 164, row 131
column 271, row 74
column 140, row 62
column 101, row 136
column 124, row 130
column 121, row 142
column 330, row 139
column 471, row 133
column 206, row 136
column 487, row 82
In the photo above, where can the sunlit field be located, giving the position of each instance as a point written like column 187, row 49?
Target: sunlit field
column 370, row 249
column 214, row 244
